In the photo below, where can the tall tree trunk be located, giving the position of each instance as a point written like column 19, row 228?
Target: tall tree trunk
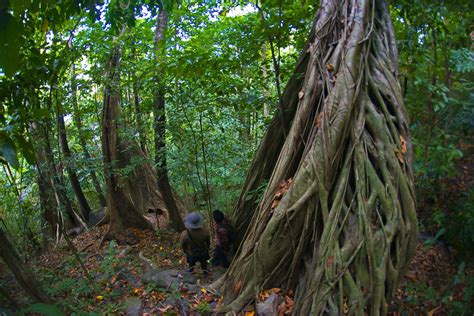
column 160, row 126
column 121, row 209
column 55, row 171
column 139, row 118
column 266, row 156
column 82, row 140
column 48, row 204
column 56, row 182
column 266, row 94
column 46, row 192
column 76, row 186
column 337, row 222
column 48, row 183
column 21, row 272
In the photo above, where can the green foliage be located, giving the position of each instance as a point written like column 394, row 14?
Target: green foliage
column 464, row 305
column 463, row 59
column 203, row 307
column 457, row 228
column 78, row 294
column 107, row 266
column 10, row 42
column 420, row 293
column 219, row 77
column 8, row 151
column 43, row 309
column 436, row 74
column 75, row 293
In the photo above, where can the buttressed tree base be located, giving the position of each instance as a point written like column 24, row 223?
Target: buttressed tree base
column 345, row 227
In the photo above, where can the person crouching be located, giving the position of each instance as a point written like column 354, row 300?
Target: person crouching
column 195, row 241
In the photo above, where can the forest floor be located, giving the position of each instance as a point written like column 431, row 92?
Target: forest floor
column 121, row 281
column 117, row 273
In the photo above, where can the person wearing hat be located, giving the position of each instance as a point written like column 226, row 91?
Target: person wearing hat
column 195, row 241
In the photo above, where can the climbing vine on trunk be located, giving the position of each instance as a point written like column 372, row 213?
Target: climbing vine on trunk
column 337, row 222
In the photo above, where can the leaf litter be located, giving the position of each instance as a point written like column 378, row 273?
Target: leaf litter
column 433, row 266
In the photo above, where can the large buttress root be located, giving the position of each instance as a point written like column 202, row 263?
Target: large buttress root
column 346, row 229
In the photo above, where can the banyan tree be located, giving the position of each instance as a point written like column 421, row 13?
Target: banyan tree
column 336, row 223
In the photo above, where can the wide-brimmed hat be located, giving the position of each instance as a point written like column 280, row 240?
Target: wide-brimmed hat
column 193, row 220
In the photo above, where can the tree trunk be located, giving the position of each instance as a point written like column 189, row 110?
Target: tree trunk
column 139, row 118
column 55, row 170
column 82, row 140
column 56, row 181
column 22, row 274
column 337, row 222
column 76, row 186
column 266, row 94
column 160, row 127
column 266, row 156
column 121, row 209
column 52, row 197
column 48, row 205
column 46, row 191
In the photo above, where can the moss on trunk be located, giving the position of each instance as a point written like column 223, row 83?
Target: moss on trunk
column 346, row 229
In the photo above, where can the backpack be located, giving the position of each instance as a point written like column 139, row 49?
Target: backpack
column 199, row 251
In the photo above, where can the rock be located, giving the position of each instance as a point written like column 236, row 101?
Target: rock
column 171, row 278
column 132, row 306
column 161, row 279
column 150, row 276
column 125, row 275
column 188, row 278
column 190, row 288
column 269, row 307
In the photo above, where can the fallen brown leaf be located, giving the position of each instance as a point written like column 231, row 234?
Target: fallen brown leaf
column 402, row 151
column 403, row 143
column 433, row 311
column 330, row 261
column 237, row 287
column 281, row 190
column 166, row 308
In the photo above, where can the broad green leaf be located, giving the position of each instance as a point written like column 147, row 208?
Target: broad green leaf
column 26, row 149
column 10, row 43
column 8, row 151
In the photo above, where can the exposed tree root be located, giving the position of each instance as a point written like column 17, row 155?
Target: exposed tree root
column 346, row 229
